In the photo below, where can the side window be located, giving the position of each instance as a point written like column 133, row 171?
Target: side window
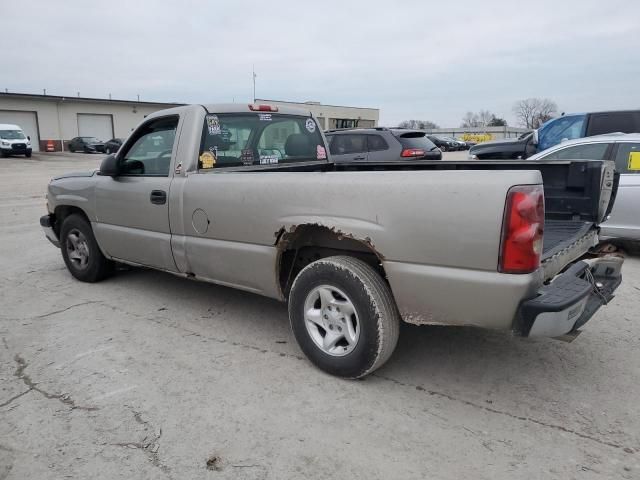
column 628, row 158
column 344, row 144
column 589, row 151
column 376, row 143
column 150, row 153
column 613, row 122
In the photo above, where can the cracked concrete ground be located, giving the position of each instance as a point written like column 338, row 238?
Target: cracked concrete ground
column 149, row 376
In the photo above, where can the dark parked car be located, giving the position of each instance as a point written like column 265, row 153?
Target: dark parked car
column 86, row 144
column 443, row 143
column 113, row 145
column 380, row 145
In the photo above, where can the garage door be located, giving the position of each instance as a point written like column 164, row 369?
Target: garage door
column 27, row 121
column 95, row 125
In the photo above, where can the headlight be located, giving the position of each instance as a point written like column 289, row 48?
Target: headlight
column 5, row 144
column 472, row 157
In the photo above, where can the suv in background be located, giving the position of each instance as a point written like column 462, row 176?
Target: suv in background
column 355, row 145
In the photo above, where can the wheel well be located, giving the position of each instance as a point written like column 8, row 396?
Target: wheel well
column 304, row 244
column 63, row 211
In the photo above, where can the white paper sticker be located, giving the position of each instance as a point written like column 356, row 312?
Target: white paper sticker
column 265, row 117
column 268, row 159
column 213, row 125
column 311, row 125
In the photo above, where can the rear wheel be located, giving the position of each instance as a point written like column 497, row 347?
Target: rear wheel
column 80, row 250
column 343, row 316
column 71, row 149
column 443, row 148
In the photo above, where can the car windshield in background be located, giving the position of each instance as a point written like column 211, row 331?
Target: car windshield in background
column 261, row 138
column 416, row 140
column 12, row 135
column 91, row 139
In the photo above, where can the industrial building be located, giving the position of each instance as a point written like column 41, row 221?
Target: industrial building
column 51, row 121
column 334, row 116
column 54, row 120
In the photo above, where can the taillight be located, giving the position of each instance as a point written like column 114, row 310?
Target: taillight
column 522, row 230
column 412, row 152
column 262, row 108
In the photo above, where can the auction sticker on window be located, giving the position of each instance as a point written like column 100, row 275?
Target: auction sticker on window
column 321, row 153
column 268, row 159
column 213, row 125
column 634, row 161
column 311, row 125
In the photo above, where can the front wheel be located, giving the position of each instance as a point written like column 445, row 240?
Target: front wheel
column 107, row 151
column 28, row 154
column 343, row 316
column 443, row 148
column 80, row 250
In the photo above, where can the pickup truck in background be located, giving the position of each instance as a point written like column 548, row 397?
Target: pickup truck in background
column 247, row 196
column 556, row 130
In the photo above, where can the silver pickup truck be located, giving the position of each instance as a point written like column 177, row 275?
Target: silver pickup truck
column 247, row 196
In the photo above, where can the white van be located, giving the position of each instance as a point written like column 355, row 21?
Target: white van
column 13, row 141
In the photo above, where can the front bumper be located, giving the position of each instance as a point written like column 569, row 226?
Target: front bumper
column 571, row 299
column 49, row 232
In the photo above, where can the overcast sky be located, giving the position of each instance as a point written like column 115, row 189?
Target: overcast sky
column 411, row 59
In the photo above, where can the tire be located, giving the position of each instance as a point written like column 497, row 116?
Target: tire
column 71, row 149
column 80, row 250
column 351, row 285
column 107, row 151
column 4, row 154
column 28, row 154
column 443, row 148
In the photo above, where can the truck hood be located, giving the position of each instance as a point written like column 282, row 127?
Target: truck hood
column 76, row 174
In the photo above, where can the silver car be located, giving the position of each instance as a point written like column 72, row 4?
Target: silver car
column 624, row 148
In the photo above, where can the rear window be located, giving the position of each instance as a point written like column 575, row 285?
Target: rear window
column 261, row 138
column 415, row 140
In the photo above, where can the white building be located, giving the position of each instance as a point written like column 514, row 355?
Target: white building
column 55, row 120
column 334, row 116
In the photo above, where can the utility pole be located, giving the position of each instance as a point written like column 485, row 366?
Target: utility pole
column 138, row 97
column 253, row 68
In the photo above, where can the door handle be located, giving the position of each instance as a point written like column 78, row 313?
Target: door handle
column 158, row 197
column 358, row 158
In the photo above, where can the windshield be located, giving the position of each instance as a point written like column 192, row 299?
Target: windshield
column 564, row 128
column 243, row 139
column 12, row 135
column 91, row 139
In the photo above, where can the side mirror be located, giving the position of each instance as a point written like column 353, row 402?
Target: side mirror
column 109, row 166
column 29, row 137
column 534, row 139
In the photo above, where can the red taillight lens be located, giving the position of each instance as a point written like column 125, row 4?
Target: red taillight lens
column 522, row 230
column 412, row 152
column 262, row 108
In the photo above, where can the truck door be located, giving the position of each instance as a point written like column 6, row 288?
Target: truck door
column 132, row 208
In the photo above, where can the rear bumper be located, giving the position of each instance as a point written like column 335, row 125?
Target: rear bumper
column 47, row 227
column 571, row 299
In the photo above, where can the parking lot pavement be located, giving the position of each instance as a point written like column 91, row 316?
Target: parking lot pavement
column 151, row 376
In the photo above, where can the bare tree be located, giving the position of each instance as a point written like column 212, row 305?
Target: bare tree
column 533, row 112
column 470, row 120
column 484, row 117
column 477, row 120
column 418, row 124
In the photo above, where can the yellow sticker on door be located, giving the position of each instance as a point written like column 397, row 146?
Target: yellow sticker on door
column 634, row 161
